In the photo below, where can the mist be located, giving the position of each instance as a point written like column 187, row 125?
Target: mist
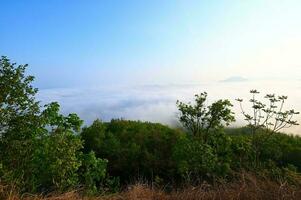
column 157, row 103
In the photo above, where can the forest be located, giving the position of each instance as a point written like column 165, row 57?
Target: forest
column 47, row 155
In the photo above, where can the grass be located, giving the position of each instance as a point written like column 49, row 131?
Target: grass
column 246, row 187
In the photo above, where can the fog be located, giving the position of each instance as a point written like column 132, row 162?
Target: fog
column 157, row 103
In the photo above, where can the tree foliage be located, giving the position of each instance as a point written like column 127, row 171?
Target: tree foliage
column 200, row 119
column 92, row 172
column 267, row 119
column 19, row 122
column 39, row 150
column 18, row 107
column 271, row 116
column 133, row 149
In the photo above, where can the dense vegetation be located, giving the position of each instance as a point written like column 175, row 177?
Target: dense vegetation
column 42, row 150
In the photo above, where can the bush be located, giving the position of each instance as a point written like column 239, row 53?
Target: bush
column 282, row 149
column 57, row 161
column 134, row 149
column 221, row 145
column 92, row 172
column 242, row 152
column 194, row 159
column 197, row 160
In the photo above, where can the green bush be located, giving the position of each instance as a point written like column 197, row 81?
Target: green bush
column 134, row 149
column 194, row 158
column 92, row 172
column 282, row 149
column 242, row 152
column 221, row 145
column 197, row 160
column 57, row 161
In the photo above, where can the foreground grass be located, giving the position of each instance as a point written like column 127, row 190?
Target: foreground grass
column 246, row 187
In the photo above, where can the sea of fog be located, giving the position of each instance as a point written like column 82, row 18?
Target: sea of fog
column 157, row 103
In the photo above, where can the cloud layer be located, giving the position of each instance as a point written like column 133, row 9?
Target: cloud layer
column 157, row 103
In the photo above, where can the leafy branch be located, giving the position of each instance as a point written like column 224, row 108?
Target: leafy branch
column 271, row 116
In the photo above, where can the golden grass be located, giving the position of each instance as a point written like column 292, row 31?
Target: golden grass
column 247, row 187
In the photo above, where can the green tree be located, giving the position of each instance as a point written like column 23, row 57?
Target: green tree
column 271, row 116
column 242, row 151
column 194, row 159
column 19, row 122
column 94, row 137
column 207, row 153
column 267, row 119
column 18, row 107
column 58, row 156
column 133, row 149
column 92, row 172
column 200, row 119
column 39, row 150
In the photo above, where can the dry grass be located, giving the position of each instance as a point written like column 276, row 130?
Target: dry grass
column 247, row 187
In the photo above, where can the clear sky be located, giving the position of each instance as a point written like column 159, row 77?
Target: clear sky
column 75, row 43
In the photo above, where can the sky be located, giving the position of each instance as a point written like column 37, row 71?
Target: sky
column 135, row 58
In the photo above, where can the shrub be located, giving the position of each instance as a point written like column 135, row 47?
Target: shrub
column 92, row 172
column 57, row 161
column 242, row 152
column 197, row 160
column 267, row 120
column 194, row 159
column 133, row 149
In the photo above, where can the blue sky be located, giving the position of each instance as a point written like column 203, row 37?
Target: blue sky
column 94, row 37
column 135, row 58
column 75, row 43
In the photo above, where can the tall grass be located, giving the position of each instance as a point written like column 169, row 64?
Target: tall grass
column 246, row 187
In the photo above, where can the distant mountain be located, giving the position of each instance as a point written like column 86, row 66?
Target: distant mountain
column 234, row 79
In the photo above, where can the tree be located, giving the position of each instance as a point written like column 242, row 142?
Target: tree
column 17, row 102
column 92, row 172
column 195, row 160
column 39, row 149
column 57, row 158
column 200, row 119
column 18, row 121
column 133, row 149
column 267, row 119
